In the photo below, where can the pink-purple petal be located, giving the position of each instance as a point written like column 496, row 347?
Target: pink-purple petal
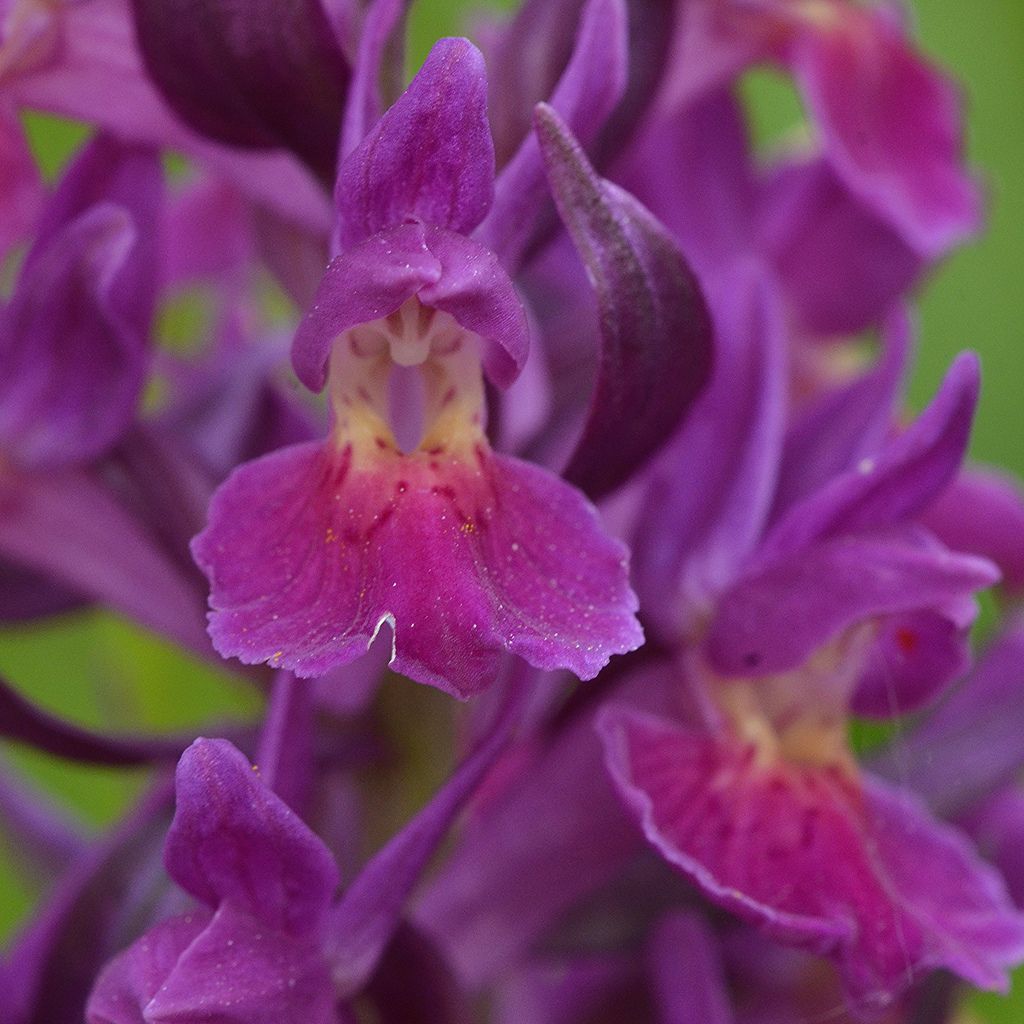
column 236, row 842
column 843, row 868
column 430, row 157
column 309, row 556
column 841, row 264
column 891, row 124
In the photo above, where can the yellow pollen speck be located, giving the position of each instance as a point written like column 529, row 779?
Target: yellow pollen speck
column 330, row 537
column 468, row 527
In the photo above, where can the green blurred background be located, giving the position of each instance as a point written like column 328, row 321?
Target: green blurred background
column 103, row 672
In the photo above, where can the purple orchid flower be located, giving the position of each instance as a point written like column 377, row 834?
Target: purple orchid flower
column 844, row 601
column 312, row 549
column 268, row 941
column 889, row 122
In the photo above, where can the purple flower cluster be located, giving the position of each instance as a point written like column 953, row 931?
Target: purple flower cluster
column 549, row 272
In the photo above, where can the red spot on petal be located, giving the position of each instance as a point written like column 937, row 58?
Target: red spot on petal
column 906, row 640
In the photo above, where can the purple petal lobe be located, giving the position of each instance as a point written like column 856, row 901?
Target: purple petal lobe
column 900, row 481
column 430, row 157
column 891, row 124
column 129, row 982
column 260, row 73
column 309, row 554
column 653, row 319
column 361, row 285
column 235, row 841
column 477, row 292
column 445, row 269
column 773, row 619
column 973, row 742
column 851, row 870
column 914, row 658
column 238, row 972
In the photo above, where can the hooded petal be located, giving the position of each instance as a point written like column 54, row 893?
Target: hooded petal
column 234, row 841
column 854, row 871
column 773, row 619
column 654, row 322
column 447, row 271
column 309, row 556
column 261, row 73
column 430, row 157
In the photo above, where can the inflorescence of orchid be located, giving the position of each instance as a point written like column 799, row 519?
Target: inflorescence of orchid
column 546, row 272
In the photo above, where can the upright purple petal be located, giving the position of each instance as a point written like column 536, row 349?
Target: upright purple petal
column 655, row 326
column 847, row 424
column 261, row 73
column 21, row 187
column 377, row 67
column 588, row 90
column 527, row 57
column 234, row 841
column 711, row 488
column 896, row 484
column 430, row 157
